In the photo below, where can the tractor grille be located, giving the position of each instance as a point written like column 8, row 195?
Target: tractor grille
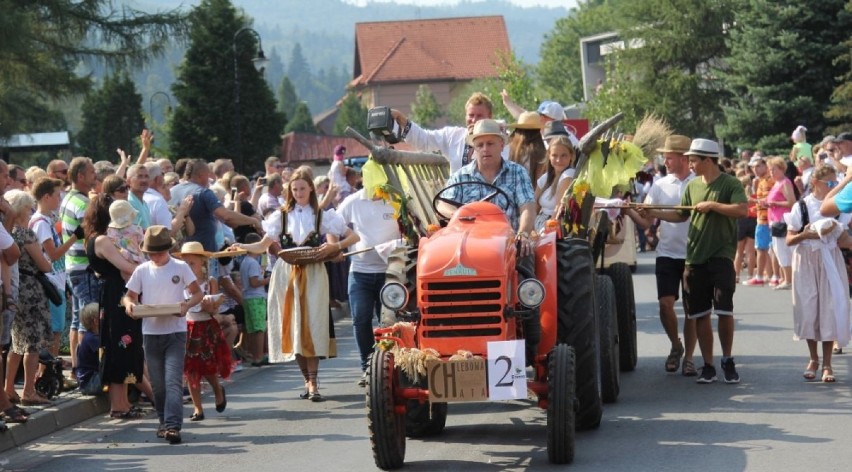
column 461, row 308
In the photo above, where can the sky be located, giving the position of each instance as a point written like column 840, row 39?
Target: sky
column 566, row 4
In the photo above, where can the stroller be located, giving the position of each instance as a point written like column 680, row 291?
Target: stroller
column 51, row 381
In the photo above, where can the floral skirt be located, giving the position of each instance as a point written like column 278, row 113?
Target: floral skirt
column 207, row 352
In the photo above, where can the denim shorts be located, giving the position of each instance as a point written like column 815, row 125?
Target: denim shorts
column 57, row 315
column 86, row 288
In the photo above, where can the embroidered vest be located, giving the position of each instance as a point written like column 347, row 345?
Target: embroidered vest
column 314, row 238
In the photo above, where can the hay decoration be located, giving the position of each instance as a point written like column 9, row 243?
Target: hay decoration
column 651, row 134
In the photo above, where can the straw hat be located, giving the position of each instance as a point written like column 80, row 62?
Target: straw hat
column 157, row 239
column 121, row 214
column 676, row 143
column 193, row 248
column 527, row 120
column 704, row 147
column 484, row 128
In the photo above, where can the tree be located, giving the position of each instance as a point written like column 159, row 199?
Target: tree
column 425, row 109
column 669, row 65
column 204, row 122
column 301, row 120
column 352, row 113
column 287, row 99
column 43, row 41
column 786, row 78
column 298, row 71
column 840, row 111
column 274, row 72
column 112, row 118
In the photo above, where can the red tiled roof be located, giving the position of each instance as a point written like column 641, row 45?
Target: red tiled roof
column 420, row 50
column 298, row 147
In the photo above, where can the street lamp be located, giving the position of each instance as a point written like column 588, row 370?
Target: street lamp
column 151, row 104
column 260, row 62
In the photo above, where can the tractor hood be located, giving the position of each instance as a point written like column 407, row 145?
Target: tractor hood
column 478, row 242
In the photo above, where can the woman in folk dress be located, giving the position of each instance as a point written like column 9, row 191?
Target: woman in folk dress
column 820, row 283
column 299, row 317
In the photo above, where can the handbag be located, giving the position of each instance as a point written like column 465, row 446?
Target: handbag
column 778, row 229
column 49, row 288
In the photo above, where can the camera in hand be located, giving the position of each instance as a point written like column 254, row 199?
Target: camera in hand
column 381, row 124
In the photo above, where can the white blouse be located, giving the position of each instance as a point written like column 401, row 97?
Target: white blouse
column 301, row 221
column 548, row 199
column 793, row 218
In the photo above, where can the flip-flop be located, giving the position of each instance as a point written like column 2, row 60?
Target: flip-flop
column 673, row 361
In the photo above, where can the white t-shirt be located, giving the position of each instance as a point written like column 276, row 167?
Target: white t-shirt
column 548, row 199
column 250, row 267
column 267, row 201
column 158, row 286
column 6, row 242
column 158, row 208
column 301, row 221
column 668, row 190
column 374, row 222
column 42, row 226
column 449, row 141
column 337, row 174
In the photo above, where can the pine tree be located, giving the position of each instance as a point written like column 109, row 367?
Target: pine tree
column 299, row 72
column 301, row 120
column 782, row 70
column 287, row 99
column 425, row 109
column 353, row 114
column 840, row 111
column 204, row 122
column 112, row 118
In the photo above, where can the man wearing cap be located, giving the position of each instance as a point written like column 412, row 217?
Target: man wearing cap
column 762, row 184
column 450, row 141
column 488, row 141
column 717, row 200
column 671, row 251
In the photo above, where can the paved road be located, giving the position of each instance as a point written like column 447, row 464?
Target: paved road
column 771, row 421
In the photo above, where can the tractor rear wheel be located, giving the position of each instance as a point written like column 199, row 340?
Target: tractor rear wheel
column 608, row 331
column 577, row 324
column 423, row 419
column 625, row 306
column 387, row 428
column 560, row 404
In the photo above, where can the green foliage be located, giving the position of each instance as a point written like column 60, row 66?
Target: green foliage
column 352, row 113
column 42, row 42
column 840, row 111
column 782, row 70
column 204, row 122
column 112, row 118
column 301, row 120
column 425, row 109
column 287, row 99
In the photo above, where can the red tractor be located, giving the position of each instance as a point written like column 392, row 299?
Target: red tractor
column 465, row 295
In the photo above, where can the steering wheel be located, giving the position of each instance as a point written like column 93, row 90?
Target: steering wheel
column 488, row 198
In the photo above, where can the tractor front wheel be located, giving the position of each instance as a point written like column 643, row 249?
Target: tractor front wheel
column 426, row 418
column 560, row 405
column 387, row 428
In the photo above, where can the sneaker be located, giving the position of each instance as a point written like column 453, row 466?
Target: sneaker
column 238, row 366
column 774, row 281
column 707, row 375
column 730, row 371
column 784, row 286
column 754, row 281
column 362, row 382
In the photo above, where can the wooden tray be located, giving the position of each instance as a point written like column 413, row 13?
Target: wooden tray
column 148, row 311
column 238, row 252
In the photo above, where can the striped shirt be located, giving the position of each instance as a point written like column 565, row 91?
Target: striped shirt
column 512, row 179
column 71, row 211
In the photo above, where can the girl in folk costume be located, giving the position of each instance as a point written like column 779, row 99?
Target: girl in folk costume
column 551, row 186
column 299, row 317
column 207, row 353
column 820, row 282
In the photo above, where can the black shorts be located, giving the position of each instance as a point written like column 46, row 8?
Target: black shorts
column 710, row 287
column 239, row 314
column 745, row 228
column 669, row 276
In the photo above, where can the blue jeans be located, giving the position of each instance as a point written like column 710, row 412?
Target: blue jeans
column 364, row 303
column 164, row 355
column 85, row 289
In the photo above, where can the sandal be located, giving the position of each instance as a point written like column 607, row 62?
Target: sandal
column 161, row 431
column 14, row 398
column 14, row 415
column 38, row 400
column 126, row 415
column 172, row 436
column 837, row 350
column 688, row 369
column 197, row 417
column 673, row 361
column 828, row 375
column 810, row 371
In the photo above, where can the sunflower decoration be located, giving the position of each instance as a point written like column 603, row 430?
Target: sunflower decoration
column 374, row 178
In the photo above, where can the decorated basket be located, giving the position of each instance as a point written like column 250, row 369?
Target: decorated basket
column 301, row 255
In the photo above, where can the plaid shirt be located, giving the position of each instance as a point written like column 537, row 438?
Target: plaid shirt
column 512, row 179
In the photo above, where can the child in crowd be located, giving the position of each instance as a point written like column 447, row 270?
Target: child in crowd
column 254, row 301
column 208, row 355
column 163, row 280
column 88, row 351
column 126, row 235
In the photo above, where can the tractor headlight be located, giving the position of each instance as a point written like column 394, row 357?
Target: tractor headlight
column 394, row 296
column 531, row 293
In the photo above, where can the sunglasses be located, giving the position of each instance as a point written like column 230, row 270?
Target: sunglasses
column 123, row 188
column 63, row 171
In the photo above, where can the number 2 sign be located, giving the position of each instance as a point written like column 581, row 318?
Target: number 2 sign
column 507, row 375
